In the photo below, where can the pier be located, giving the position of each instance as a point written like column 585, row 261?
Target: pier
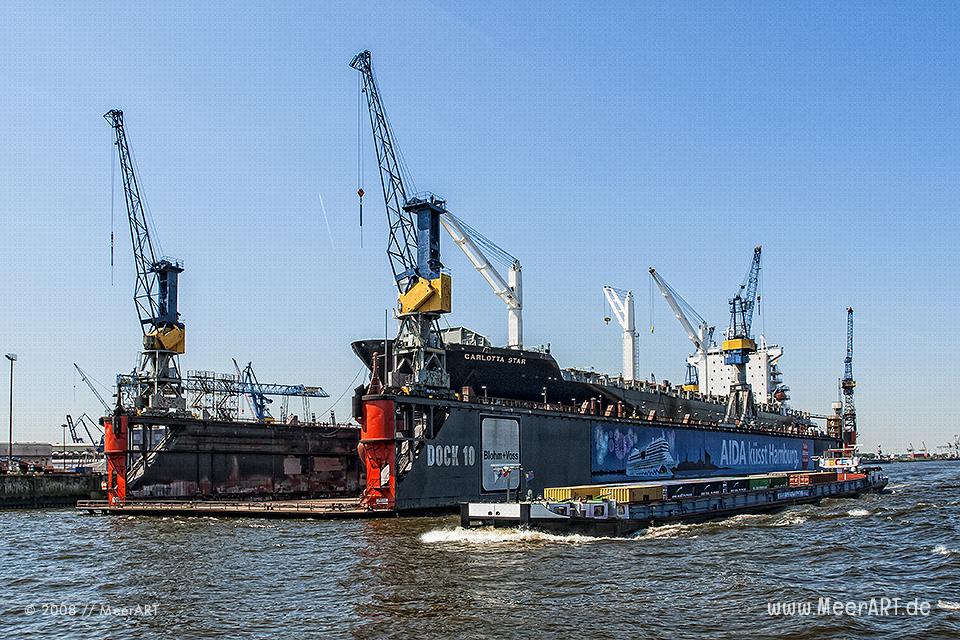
column 327, row 509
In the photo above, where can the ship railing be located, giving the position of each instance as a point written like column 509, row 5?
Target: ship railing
column 793, row 429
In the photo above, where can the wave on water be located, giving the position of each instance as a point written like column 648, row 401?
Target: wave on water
column 691, row 531
column 789, row 519
column 946, row 605
column 856, row 513
column 488, row 536
column 941, row 550
column 668, row 531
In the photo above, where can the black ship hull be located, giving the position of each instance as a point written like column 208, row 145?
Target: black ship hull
column 447, row 452
column 513, row 420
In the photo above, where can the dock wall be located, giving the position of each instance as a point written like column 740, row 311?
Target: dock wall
column 28, row 491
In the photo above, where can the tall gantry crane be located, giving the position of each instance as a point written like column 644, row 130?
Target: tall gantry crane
column 739, row 343
column 155, row 295
column 413, row 247
column 701, row 334
column 477, row 248
column 622, row 305
column 847, row 385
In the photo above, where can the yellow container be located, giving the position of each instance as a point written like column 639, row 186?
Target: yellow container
column 621, row 493
column 558, row 494
column 648, row 494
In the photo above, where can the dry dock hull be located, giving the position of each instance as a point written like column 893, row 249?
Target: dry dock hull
column 423, row 453
column 187, row 458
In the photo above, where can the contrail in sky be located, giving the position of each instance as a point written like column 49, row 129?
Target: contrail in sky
column 326, row 220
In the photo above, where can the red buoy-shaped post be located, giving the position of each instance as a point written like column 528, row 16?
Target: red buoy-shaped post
column 115, row 449
column 378, row 450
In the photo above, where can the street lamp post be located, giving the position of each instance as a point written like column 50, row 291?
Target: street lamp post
column 12, row 357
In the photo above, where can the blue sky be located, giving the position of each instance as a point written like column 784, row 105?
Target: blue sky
column 591, row 144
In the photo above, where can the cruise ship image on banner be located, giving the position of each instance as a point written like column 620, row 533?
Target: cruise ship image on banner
column 653, row 461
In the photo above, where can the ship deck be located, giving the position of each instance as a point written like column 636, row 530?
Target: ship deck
column 326, row 509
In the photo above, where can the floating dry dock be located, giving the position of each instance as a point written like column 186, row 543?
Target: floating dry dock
column 620, row 509
column 328, row 509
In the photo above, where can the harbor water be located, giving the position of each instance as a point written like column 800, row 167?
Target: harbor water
column 819, row 572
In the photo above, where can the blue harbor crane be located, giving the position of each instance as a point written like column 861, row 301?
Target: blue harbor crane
column 258, row 401
column 256, row 397
column 739, row 343
column 413, row 247
column 155, row 295
column 847, row 385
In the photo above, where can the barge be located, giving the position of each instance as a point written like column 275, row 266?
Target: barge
column 620, row 510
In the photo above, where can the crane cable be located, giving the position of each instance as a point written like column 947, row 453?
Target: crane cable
column 360, row 151
column 651, row 304
column 113, row 199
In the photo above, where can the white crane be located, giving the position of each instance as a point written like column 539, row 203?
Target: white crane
column 621, row 303
column 508, row 289
column 700, row 335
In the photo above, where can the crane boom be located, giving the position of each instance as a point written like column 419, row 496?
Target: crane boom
column 155, row 291
column 702, row 334
column 621, row 304
column 89, row 383
column 848, row 361
column 403, row 238
column 509, row 289
column 83, row 419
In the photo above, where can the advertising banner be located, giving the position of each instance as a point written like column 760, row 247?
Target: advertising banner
column 633, row 452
